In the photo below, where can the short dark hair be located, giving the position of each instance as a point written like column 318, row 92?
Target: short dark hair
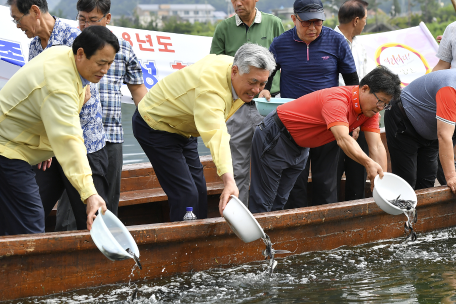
column 24, row 5
column 352, row 9
column 95, row 38
column 381, row 79
column 104, row 6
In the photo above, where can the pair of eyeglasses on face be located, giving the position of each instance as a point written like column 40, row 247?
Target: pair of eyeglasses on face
column 309, row 23
column 88, row 22
column 382, row 104
column 18, row 22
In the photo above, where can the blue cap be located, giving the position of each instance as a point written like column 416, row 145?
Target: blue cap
column 309, row 9
column 189, row 208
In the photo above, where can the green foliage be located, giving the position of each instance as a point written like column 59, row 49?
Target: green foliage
column 428, row 9
column 332, row 22
column 397, row 8
column 437, row 28
column 440, row 19
column 403, row 22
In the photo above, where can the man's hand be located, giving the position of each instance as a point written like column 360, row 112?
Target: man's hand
column 44, row 165
column 355, row 133
column 373, row 169
column 87, row 94
column 439, row 38
column 230, row 189
column 265, row 94
column 94, row 202
column 452, row 184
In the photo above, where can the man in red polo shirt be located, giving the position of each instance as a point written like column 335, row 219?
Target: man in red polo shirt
column 281, row 142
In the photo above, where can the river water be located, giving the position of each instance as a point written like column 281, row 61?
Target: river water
column 391, row 271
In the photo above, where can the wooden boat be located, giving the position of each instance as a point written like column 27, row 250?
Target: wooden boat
column 43, row 264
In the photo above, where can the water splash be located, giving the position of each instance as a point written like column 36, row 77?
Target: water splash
column 408, row 207
column 269, row 252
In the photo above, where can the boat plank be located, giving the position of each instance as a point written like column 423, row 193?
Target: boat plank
column 42, row 264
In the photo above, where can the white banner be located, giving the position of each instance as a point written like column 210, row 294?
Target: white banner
column 409, row 52
column 160, row 53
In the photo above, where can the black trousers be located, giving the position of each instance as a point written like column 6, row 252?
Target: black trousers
column 53, row 182
column 178, row 168
column 413, row 157
column 21, row 211
column 323, row 160
column 355, row 173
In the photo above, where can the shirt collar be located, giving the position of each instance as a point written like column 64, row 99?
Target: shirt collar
column 52, row 40
column 233, row 92
column 84, row 81
column 297, row 39
column 348, row 41
column 355, row 100
column 256, row 20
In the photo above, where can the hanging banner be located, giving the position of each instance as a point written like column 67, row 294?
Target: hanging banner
column 409, row 52
column 159, row 53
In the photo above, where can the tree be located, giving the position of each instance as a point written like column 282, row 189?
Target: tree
column 428, row 9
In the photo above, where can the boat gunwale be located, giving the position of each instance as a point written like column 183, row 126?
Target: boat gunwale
column 53, row 242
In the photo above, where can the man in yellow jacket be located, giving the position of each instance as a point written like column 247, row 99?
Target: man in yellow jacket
column 39, row 118
column 197, row 101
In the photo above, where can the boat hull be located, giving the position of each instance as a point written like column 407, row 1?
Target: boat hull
column 43, row 264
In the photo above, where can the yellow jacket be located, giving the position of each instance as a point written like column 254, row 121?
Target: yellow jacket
column 196, row 101
column 39, row 116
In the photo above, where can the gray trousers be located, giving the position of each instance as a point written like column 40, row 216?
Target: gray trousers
column 65, row 220
column 241, row 127
column 277, row 162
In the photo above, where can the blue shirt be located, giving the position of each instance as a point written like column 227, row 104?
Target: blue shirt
column 309, row 68
column 125, row 69
column 90, row 115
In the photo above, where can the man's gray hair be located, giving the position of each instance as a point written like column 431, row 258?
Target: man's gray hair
column 253, row 55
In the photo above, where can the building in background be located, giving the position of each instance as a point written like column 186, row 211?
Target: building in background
column 182, row 12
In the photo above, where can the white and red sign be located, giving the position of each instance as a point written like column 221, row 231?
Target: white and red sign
column 409, row 52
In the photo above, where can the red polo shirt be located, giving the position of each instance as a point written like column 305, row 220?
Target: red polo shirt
column 309, row 118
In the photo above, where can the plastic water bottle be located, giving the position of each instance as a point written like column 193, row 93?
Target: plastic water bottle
column 189, row 216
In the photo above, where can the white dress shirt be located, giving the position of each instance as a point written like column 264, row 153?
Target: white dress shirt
column 359, row 55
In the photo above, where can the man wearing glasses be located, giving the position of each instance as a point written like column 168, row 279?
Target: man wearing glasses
column 32, row 17
column 281, row 143
column 419, row 130
column 311, row 57
column 125, row 69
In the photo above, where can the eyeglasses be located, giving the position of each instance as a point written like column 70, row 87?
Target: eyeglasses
column 18, row 22
column 309, row 23
column 83, row 21
column 382, row 104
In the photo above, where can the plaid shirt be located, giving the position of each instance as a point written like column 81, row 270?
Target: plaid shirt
column 124, row 69
column 90, row 115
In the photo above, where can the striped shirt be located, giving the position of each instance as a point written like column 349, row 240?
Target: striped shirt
column 125, row 69
column 309, row 68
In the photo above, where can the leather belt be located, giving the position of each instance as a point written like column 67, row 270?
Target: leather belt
column 283, row 129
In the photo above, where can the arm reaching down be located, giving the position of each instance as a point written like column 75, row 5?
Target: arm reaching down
column 354, row 151
column 446, row 153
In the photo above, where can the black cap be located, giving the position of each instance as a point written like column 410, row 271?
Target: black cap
column 309, row 9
